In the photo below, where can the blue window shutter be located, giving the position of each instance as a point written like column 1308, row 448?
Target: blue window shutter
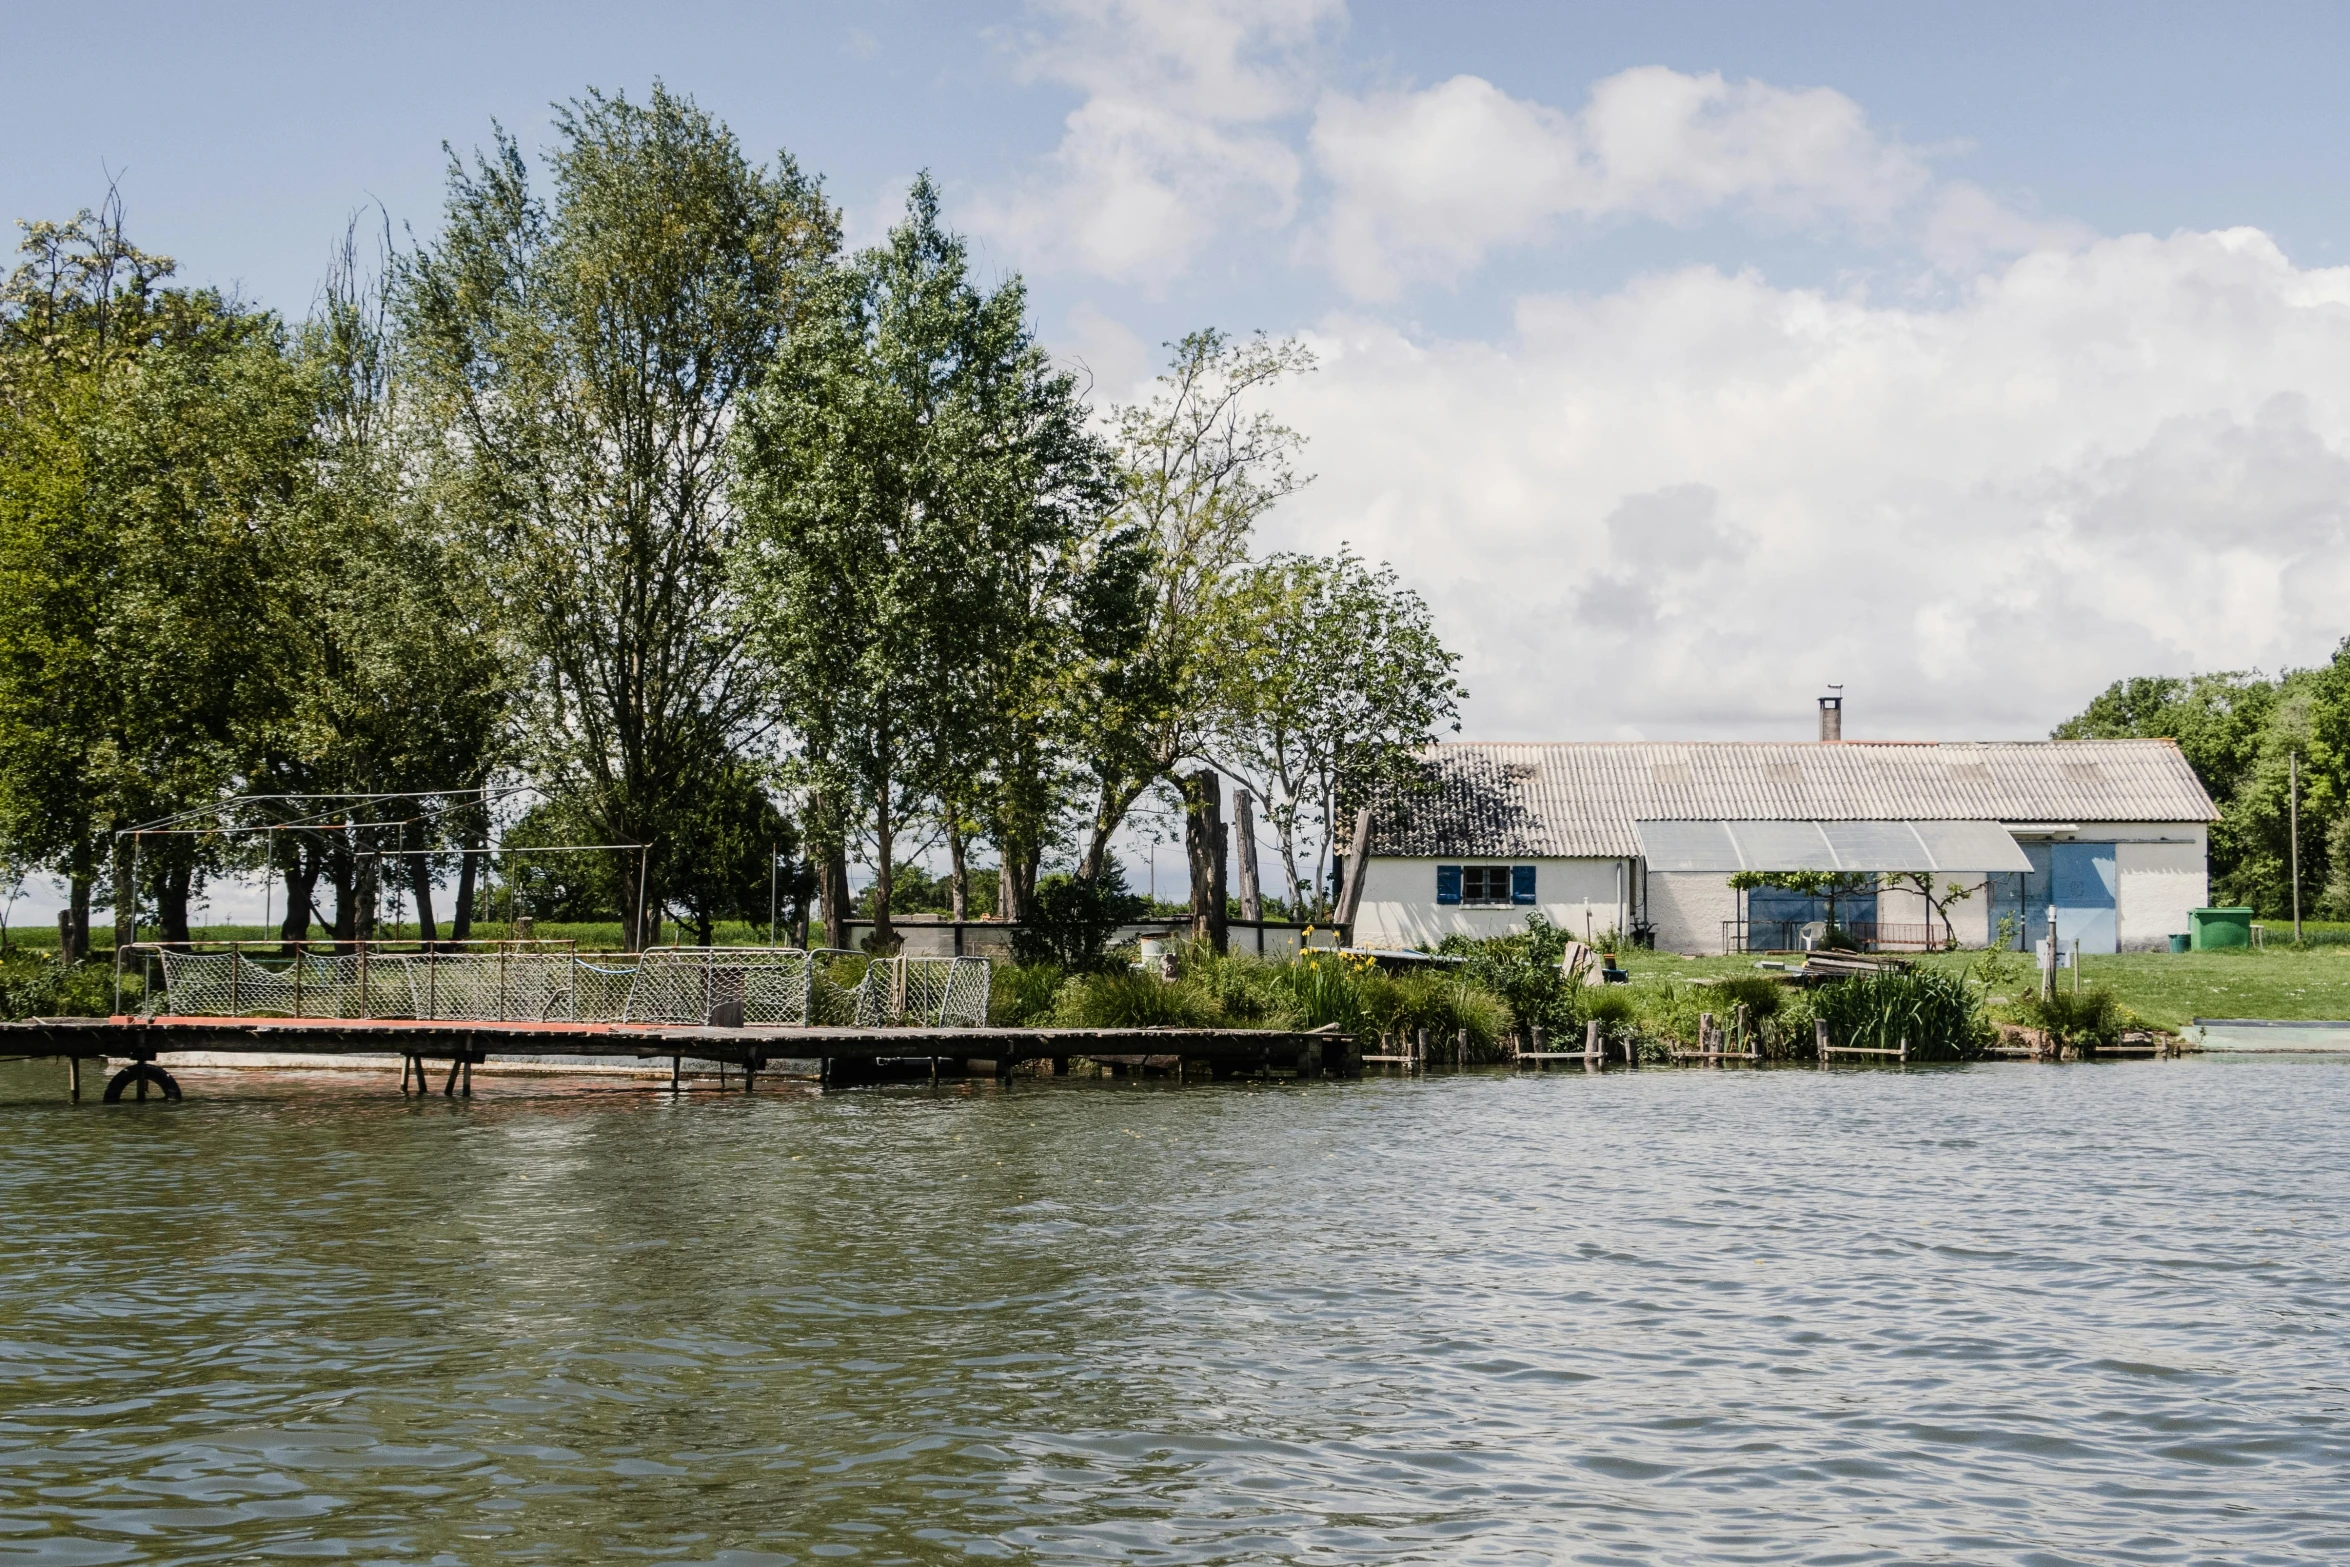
column 1448, row 884
column 1521, row 884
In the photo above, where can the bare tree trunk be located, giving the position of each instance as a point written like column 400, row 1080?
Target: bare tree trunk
column 171, row 898
column 368, row 880
column 301, row 893
column 126, row 896
column 832, row 886
column 958, row 874
column 468, row 867
column 346, row 884
column 1203, row 841
column 885, row 840
column 1244, row 837
column 1109, row 812
column 77, row 947
column 420, row 887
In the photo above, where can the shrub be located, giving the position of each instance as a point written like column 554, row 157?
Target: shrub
column 1320, row 987
column 1761, row 997
column 832, row 983
column 1523, row 970
column 1073, row 920
column 1021, row 995
column 2093, row 1017
column 40, row 986
column 1443, row 1004
column 1939, row 1014
column 1247, row 990
column 1114, row 999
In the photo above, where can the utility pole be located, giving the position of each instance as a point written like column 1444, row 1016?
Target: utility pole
column 773, row 859
column 2293, row 828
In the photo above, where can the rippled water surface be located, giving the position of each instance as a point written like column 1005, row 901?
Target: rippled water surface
column 2002, row 1314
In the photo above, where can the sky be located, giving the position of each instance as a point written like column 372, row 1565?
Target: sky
column 1685, row 357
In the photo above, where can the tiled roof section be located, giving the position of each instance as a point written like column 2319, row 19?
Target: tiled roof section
column 1581, row 798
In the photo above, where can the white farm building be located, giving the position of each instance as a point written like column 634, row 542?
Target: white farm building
column 1642, row 838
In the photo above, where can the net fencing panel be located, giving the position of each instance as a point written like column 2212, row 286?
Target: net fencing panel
column 487, row 987
column 924, row 992
column 755, row 987
column 751, row 987
column 309, row 984
column 599, row 991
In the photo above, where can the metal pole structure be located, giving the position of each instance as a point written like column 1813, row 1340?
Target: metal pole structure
column 773, row 860
column 644, row 868
column 2048, row 972
column 2293, row 761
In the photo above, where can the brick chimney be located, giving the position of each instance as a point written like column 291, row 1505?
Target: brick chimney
column 1832, row 715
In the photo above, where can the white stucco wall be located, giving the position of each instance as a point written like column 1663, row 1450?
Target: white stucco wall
column 1399, row 907
column 2155, row 885
column 2160, row 872
column 1688, row 908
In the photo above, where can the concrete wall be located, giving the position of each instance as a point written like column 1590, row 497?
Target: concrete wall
column 1399, row 907
column 1688, row 908
column 2156, row 884
column 937, row 938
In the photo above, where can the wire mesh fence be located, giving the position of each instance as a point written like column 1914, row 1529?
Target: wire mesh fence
column 937, row 992
column 757, row 987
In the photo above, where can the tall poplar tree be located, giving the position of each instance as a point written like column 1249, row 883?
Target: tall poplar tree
column 923, row 495
column 588, row 354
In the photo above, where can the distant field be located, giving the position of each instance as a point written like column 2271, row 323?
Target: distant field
column 2171, row 990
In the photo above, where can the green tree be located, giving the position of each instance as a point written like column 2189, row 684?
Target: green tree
column 1334, row 681
column 151, row 442
column 2242, row 733
column 921, row 486
column 389, row 667
column 1198, row 465
column 587, row 357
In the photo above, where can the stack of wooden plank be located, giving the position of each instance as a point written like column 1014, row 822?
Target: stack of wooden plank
column 1848, row 965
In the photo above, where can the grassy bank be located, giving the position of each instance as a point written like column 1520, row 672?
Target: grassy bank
column 2163, row 988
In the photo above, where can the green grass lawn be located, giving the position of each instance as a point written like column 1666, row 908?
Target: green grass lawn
column 2168, row 989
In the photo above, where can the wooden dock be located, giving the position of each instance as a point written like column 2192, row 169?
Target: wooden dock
column 843, row 1056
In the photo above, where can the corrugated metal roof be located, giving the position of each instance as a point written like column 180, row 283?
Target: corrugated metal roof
column 1580, row 798
column 1715, row 845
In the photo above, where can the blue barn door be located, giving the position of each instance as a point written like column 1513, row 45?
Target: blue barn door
column 2084, row 896
column 2022, row 897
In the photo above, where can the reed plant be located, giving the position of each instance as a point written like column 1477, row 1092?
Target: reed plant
column 2094, row 1017
column 1445, row 1003
column 1938, row 1014
column 1022, row 995
column 1113, row 998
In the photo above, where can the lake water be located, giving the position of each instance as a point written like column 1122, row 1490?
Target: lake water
column 2011, row 1313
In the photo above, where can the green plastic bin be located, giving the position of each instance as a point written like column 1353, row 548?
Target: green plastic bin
column 2181, row 941
column 2216, row 928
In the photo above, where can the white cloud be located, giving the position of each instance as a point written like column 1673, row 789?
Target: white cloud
column 1172, row 141
column 1681, row 506
column 1106, row 352
column 1425, row 183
